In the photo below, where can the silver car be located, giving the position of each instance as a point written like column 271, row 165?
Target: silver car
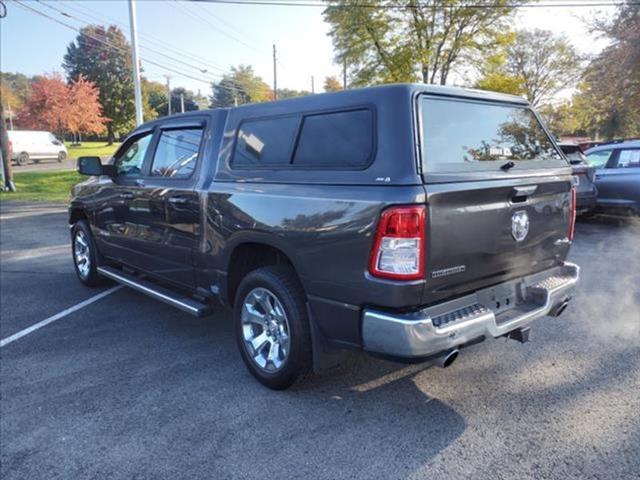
column 617, row 175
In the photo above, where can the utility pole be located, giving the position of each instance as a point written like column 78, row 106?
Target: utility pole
column 313, row 85
column 10, row 116
column 344, row 74
column 275, row 75
column 168, row 77
column 136, row 63
column 5, row 157
column 182, row 102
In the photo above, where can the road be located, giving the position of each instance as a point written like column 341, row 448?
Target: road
column 127, row 387
column 46, row 166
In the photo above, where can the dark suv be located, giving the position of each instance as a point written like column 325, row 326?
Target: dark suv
column 408, row 221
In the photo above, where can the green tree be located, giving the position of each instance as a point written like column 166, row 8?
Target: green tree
column 103, row 56
column 331, row 84
column 290, row 93
column 610, row 91
column 241, row 85
column 15, row 89
column 545, row 63
column 422, row 41
column 189, row 100
column 492, row 69
column 155, row 96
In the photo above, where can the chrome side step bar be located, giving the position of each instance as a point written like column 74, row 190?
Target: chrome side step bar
column 165, row 295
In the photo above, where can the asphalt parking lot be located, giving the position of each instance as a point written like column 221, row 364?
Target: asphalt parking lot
column 127, row 387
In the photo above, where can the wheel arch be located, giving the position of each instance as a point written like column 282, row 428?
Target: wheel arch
column 250, row 252
column 76, row 214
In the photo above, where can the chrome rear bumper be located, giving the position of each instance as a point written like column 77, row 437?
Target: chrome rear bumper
column 493, row 311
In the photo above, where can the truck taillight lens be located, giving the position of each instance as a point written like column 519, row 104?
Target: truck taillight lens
column 572, row 228
column 399, row 246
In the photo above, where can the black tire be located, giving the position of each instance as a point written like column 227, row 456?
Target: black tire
column 23, row 158
column 88, row 275
column 282, row 282
column 62, row 156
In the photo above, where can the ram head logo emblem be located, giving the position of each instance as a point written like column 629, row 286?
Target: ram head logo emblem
column 519, row 225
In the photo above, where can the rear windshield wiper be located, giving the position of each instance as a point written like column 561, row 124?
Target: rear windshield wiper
column 507, row 166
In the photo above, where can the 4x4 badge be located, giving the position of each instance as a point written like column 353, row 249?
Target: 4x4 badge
column 519, row 225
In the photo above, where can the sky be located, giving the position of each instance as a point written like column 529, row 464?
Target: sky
column 205, row 36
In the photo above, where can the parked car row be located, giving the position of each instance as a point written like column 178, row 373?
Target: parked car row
column 31, row 145
column 607, row 176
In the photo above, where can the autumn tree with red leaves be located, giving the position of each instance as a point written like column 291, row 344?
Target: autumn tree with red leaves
column 57, row 107
column 47, row 108
column 85, row 112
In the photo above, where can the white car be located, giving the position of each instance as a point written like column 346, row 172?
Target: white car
column 33, row 145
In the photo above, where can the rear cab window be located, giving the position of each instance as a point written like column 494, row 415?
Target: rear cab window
column 334, row 140
column 176, row 154
column 461, row 135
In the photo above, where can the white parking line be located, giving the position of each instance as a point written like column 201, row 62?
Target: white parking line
column 57, row 316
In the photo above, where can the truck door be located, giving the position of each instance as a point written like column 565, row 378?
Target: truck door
column 115, row 211
column 169, row 207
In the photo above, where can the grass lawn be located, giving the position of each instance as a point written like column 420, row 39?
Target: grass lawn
column 91, row 149
column 43, row 186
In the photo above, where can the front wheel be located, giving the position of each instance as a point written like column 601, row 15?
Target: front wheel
column 272, row 326
column 62, row 156
column 85, row 255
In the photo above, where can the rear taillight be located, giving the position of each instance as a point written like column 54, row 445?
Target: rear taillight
column 400, row 244
column 572, row 228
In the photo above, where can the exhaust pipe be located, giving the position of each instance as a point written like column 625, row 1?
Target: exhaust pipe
column 557, row 310
column 447, row 358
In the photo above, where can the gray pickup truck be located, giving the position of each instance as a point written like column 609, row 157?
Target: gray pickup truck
column 408, row 221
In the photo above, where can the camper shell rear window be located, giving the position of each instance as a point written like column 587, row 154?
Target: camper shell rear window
column 461, row 135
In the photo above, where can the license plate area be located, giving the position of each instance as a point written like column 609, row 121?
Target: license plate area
column 500, row 298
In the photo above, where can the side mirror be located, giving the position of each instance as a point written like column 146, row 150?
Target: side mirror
column 575, row 162
column 93, row 166
column 56, row 142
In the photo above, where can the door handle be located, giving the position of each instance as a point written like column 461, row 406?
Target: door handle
column 178, row 200
column 524, row 191
column 126, row 196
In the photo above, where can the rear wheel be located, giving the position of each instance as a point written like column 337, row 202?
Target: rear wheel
column 85, row 254
column 23, row 158
column 272, row 326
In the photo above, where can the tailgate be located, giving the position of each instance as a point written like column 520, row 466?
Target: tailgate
column 498, row 194
column 486, row 232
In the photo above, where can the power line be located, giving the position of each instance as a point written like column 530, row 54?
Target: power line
column 149, row 38
column 162, row 54
column 397, row 6
column 115, row 47
column 157, row 52
column 235, row 85
column 219, row 20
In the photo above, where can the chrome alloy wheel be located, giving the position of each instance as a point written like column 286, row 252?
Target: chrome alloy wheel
column 81, row 253
column 265, row 330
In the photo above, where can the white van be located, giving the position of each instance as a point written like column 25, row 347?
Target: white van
column 32, row 145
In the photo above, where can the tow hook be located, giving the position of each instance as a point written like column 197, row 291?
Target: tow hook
column 520, row 334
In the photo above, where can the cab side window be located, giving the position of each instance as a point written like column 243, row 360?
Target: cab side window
column 129, row 163
column 177, row 153
column 629, row 158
